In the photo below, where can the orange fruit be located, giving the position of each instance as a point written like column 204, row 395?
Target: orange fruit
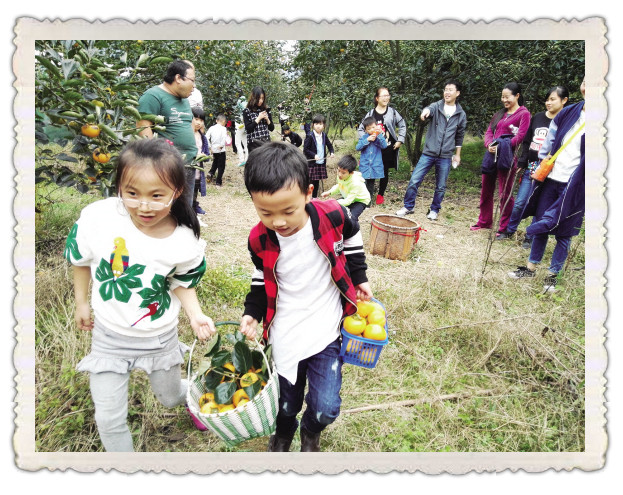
column 374, row 332
column 239, row 395
column 101, row 157
column 90, row 130
column 364, row 308
column 354, row 324
column 376, row 317
column 205, row 398
column 248, row 379
column 242, row 402
column 226, row 407
column 230, row 367
column 210, row 408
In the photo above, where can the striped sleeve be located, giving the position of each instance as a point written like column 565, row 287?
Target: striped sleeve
column 255, row 303
column 353, row 250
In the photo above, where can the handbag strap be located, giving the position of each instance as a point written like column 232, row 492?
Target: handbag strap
column 553, row 158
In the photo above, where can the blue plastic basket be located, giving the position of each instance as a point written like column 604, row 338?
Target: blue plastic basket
column 362, row 352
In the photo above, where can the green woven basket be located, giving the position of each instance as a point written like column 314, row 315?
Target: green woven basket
column 256, row 418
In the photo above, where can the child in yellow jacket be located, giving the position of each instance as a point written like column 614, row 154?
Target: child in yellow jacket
column 351, row 186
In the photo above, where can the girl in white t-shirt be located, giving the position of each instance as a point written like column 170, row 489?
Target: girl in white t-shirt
column 143, row 255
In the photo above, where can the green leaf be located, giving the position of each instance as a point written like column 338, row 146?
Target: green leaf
column 212, row 378
column 242, row 357
column 224, row 392
column 252, row 390
column 257, row 359
column 66, row 158
column 220, row 358
column 55, row 133
column 213, row 346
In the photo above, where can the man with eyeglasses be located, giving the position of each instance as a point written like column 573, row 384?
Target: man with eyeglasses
column 170, row 100
column 442, row 148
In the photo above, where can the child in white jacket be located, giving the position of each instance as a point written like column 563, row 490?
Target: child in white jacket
column 217, row 138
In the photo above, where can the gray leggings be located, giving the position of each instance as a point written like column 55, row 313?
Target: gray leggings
column 110, row 395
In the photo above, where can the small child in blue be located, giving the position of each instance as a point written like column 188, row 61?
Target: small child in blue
column 371, row 161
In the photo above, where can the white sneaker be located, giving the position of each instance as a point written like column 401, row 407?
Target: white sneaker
column 404, row 211
column 432, row 215
column 201, row 224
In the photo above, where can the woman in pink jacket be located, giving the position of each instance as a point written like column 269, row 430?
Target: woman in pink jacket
column 511, row 122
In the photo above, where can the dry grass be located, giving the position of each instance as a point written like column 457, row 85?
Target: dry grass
column 513, row 356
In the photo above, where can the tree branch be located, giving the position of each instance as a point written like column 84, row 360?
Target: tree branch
column 416, row 402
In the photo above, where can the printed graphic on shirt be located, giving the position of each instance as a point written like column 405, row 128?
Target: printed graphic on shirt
column 383, row 130
column 119, row 258
column 118, row 287
column 338, row 247
column 71, row 245
column 158, row 293
column 176, row 116
column 540, row 133
column 151, row 310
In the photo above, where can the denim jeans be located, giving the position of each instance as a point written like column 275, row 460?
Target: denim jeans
column 523, row 193
column 550, row 192
column 323, row 374
column 559, row 256
column 424, row 164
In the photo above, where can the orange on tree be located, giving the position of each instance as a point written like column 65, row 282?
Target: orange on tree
column 354, row 324
column 374, row 332
column 100, row 156
column 90, row 130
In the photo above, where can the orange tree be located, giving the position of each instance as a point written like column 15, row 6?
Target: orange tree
column 87, row 92
column 350, row 71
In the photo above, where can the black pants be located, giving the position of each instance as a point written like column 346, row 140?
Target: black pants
column 218, row 164
column 316, row 184
column 389, row 161
column 356, row 209
column 232, row 132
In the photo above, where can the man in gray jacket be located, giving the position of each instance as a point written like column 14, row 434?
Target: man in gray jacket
column 442, row 148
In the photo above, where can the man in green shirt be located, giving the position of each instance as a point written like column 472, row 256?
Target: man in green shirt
column 170, row 99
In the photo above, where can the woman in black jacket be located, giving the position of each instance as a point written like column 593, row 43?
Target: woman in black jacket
column 258, row 121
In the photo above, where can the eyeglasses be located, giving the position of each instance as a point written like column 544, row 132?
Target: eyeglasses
column 186, row 77
column 384, row 96
column 152, row 205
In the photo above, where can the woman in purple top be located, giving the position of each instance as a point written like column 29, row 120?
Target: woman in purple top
column 512, row 121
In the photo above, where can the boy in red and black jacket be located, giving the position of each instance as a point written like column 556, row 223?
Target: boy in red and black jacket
column 310, row 269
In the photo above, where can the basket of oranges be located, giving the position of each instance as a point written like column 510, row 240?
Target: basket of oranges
column 364, row 334
column 234, row 393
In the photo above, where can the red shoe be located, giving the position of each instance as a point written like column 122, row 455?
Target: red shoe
column 380, row 199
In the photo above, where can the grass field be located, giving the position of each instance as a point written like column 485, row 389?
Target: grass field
column 476, row 362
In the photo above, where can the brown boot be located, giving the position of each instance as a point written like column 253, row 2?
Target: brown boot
column 310, row 442
column 277, row 443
